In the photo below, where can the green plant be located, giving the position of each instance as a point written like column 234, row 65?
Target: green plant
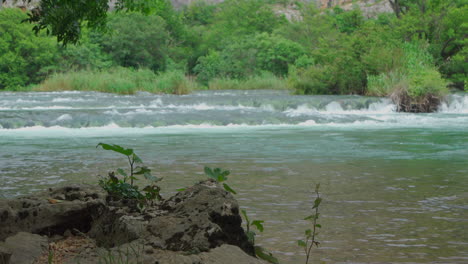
column 219, row 175
column 311, row 234
column 259, row 251
column 121, row 189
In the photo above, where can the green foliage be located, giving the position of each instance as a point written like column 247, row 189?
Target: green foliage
column 86, row 55
column 310, row 235
column 248, row 57
column 220, row 176
column 66, row 19
column 264, row 81
column 135, row 40
column 237, row 18
column 347, row 22
column 241, row 43
column 199, row 13
column 259, row 251
column 24, row 58
column 119, row 80
column 119, row 188
column 416, row 77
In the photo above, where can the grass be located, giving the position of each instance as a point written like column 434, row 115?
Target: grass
column 119, row 80
column 265, row 81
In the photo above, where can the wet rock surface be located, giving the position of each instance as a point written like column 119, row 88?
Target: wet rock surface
column 198, row 225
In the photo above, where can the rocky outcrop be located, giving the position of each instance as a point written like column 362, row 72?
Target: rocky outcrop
column 199, row 225
column 51, row 212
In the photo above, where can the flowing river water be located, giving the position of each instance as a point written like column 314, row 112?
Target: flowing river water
column 395, row 185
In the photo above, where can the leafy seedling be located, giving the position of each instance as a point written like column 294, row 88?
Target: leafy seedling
column 120, row 188
column 259, row 251
column 311, row 234
column 220, row 176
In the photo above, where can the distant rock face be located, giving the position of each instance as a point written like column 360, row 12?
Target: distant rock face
column 370, row 8
column 198, row 225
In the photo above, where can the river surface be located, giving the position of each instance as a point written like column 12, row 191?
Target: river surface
column 395, row 185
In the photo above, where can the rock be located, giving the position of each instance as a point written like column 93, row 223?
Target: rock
column 198, row 225
column 25, row 247
column 5, row 255
column 43, row 214
column 200, row 218
column 204, row 216
column 135, row 252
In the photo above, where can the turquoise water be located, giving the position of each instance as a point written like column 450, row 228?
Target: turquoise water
column 394, row 185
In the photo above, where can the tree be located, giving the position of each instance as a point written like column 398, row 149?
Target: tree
column 66, row 18
column 24, row 59
column 135, row 40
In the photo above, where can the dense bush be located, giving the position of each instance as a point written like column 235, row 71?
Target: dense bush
column 416, row 85
column 250, row 56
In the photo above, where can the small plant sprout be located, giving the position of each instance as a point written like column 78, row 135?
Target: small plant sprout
column 220, row 176
column 259, row 251
column 120, row 188
column 311, row 234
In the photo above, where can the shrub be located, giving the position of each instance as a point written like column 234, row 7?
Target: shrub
column 119, row 80
column 265, row 81
column 416, row 86
column 250, row 56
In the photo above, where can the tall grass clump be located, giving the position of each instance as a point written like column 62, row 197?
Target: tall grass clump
column 416, row 86
column 264, row 81
column 120, row 81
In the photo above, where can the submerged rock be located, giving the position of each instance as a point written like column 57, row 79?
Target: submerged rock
column 198, row 225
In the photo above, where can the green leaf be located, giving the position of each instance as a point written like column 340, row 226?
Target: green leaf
column 122, row 172
column 258, row 224
column 251, row 236
column 309, row 217
column 301, row 243
column 308, row 232
column 317, row 202
column 318, row 225
column 209, row 173
column 263, row 254
column 116, row 148
column 136, row 158
column 181, row 189
column 229, row 189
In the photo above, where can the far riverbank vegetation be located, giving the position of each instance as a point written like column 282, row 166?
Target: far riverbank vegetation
column 413, row 55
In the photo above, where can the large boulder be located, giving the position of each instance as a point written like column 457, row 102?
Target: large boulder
column 198, row 225
column 197, row 219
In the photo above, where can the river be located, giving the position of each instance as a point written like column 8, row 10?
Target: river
column 395, row 185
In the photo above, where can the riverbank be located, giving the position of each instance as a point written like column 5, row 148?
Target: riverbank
column 80, row 224
column 125, row 81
